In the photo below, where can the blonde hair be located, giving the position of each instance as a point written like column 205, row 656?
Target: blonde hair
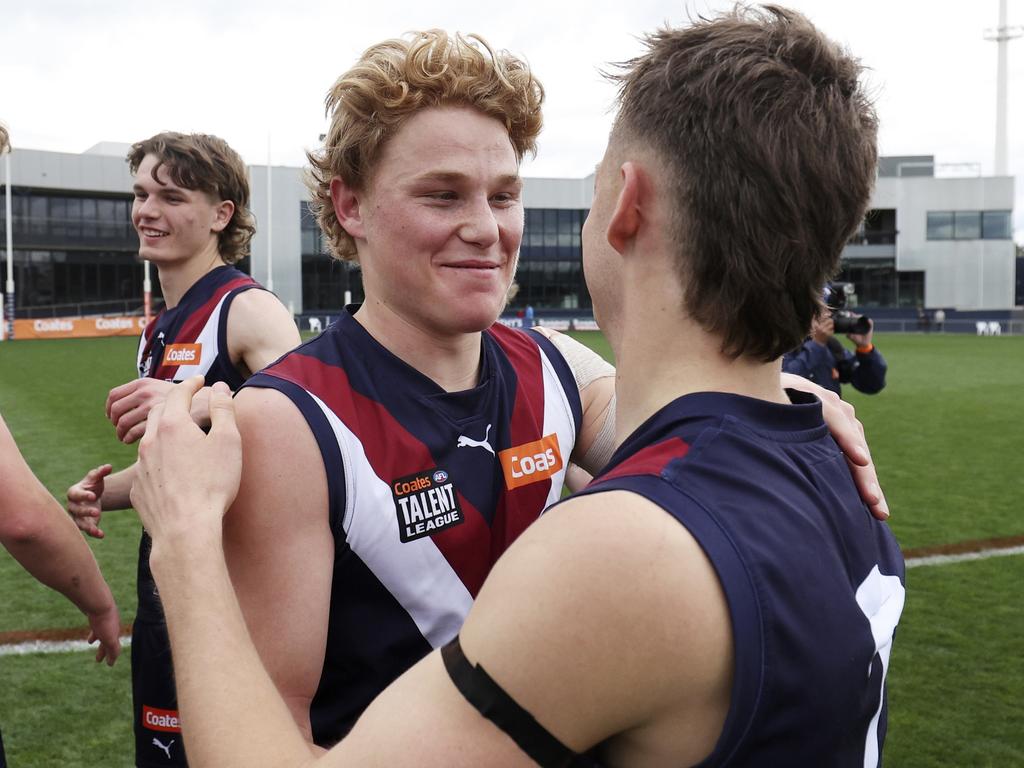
column 395, row 79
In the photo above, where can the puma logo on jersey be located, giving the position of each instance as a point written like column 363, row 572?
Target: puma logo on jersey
column 468, row 442
column 531, row 462
column 167, row 749
column 183, row 354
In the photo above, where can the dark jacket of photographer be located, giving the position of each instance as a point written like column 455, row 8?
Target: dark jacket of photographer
column 832, row 364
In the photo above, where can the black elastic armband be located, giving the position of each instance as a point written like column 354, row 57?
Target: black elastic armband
column 491, row 701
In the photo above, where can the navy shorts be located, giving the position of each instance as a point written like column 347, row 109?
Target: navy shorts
column 158, row 739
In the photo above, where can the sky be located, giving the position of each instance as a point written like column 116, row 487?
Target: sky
column 73, row 74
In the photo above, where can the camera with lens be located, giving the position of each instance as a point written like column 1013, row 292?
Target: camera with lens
column 845, row 321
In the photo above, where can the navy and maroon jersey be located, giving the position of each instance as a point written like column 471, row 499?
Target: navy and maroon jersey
column 426, row 489
column 192, row 338
column 815, row 585
column 187, row 340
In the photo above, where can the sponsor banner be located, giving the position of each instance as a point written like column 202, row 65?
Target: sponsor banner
column 531, row 462
column 78, row 327
column 555, row 324
column 585, row 325
column 183, row 354
column 161, row 719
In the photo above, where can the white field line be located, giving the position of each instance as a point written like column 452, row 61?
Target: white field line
column 983, row 554
column 54, row 646
column 67, row 646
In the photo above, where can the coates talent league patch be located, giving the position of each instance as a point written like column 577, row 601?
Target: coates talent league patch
column 426, row 503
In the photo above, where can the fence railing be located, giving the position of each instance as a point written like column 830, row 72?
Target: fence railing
column 973, row 327
column 81, row 309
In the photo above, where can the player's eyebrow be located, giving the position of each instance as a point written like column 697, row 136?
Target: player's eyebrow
column 451, row 177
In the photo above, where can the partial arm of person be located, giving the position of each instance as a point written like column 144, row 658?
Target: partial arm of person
column 811, row 359
column 595, row 378
column 259, row 331
column 35, row 530
column 99, row 490
column 868, row 374
column 559, row 625
column 279, row 546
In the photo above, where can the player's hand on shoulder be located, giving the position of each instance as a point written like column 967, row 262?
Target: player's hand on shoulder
column 185, row 478
column 128, row 406
column 85, row 501
column 841, row 420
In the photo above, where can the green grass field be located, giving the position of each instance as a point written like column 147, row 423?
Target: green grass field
column 945, row 434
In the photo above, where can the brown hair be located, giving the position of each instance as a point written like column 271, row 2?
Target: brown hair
column 205, row 163
column 395, row 79
column 5, row 139
column 769, row 143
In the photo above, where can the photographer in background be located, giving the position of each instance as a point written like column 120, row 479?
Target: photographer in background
column 823, row 359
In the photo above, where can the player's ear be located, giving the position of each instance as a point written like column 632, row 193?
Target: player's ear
column 346, row 202
column 628, row 214
column 222, row 214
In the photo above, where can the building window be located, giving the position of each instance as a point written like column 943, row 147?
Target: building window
column 550, row 272
column 995, row 225
column 325, row 280
column 940, row 225
column 969, row 225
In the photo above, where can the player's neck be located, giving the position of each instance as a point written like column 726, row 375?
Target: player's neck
column 177, row 277
column 667, row 355
column 451, row 361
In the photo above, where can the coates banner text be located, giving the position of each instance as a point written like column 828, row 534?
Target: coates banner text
column 77, row 327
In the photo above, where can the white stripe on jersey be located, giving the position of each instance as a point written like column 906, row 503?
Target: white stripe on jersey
column 415, row 573
column 210, row 348
column 208, row 338
column 559, row 421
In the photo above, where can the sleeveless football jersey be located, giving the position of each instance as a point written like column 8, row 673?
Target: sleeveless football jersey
column 426, row 490
column 814, row 584
column 187, row 340
column 191, row 338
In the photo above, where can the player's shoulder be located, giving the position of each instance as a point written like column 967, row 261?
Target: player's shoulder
column 604, row 581
column 613, row 545
column 258, row 320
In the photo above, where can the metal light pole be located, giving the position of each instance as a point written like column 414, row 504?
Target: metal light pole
column 1002, row 35
column 270, row 222
column 147, row 292
column 9, row 288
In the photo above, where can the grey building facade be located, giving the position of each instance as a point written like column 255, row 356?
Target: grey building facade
column 927, row 241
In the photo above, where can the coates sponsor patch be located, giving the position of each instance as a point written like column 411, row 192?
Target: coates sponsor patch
column 531, row 462
column 425, row 503
column 161, row 719
column 183, row 354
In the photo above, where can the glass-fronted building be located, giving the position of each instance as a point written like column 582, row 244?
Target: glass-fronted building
column 927, row 241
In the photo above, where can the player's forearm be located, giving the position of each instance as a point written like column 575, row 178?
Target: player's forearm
column 117, row 489
column 219, row 676
column 51, row 548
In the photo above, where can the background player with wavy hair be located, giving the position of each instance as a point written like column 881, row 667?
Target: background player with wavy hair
column 191, row 210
